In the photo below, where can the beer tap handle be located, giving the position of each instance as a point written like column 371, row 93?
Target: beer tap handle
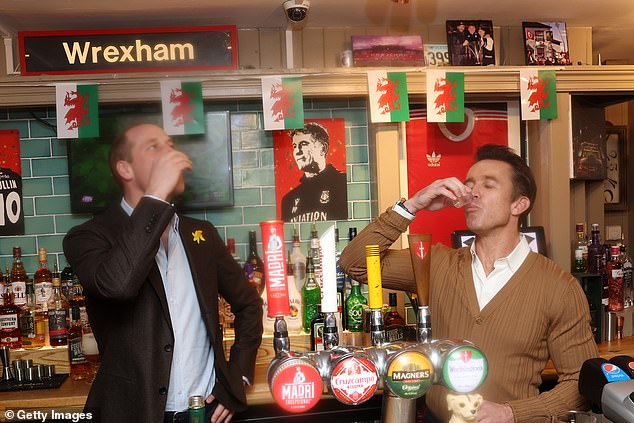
column 281, row 341
column 423, row 325
column 377, row 331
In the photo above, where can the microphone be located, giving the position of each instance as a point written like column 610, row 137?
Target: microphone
column 608, row 388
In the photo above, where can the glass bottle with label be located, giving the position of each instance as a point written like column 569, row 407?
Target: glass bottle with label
column 315, row 253
column 581, row 250
column 67, row 277
column 317, row 332
column 79, row 367
column 298, row 259
column 57, row 313
column 628, row 294
column 43, row 279
column 393, row 317
column 32, row 321
column 18, row 278
column 356, row 304
column 341, row 281
column 9, row 317
column 615, row 283
column 76, row 299
column 253, row 265
column 311, row 296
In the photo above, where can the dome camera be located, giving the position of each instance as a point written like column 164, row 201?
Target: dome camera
column 296, row 10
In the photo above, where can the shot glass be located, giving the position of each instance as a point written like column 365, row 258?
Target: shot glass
column 463, row 200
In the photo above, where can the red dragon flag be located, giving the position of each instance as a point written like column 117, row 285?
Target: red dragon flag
column 389, row 100
column 77, row 109
column 282, row 102
column 445, row 96
column 538, row 90
column 182, row 107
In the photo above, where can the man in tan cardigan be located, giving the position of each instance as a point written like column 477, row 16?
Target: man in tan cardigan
column 519, row 307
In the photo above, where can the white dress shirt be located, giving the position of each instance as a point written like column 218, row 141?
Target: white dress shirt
column 192, row 371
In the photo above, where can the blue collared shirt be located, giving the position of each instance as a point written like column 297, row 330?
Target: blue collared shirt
column 192, row 371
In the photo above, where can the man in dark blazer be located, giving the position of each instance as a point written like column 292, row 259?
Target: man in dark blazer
column 156, row 325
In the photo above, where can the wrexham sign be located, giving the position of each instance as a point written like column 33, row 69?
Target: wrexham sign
column 128, row 50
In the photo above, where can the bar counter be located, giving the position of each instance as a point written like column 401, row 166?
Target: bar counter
column 70, row 397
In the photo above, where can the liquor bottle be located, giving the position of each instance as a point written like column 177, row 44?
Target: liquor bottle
column 32, row 325
column 90, row 349
column 79, row 367
column 615, row 284
column 628, row 292
column 341, row 281
column 581, row 250
column 67, row 277
column 596, row 260
column 317, row 332
column 57, row 311
column 393, row 317
column 1, row 287
column 18, row 278
column 43, row 279
column 315, row 254
column 253, row 266
column 9, row 317
column 311, row 296
column 76, row 299
column 299, row 261
column 231, row 246
column 356, row 304
column 294, row 322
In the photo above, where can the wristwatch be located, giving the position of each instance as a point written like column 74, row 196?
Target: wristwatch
column 401, row 204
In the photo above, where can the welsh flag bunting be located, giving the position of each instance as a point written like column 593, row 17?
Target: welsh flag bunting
column 77, row 108
column 282, row 102
column 445, row 96
column 538, row 90
column 182, row 107
column 389, row 100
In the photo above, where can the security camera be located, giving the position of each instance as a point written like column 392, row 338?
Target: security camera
column 296, row 10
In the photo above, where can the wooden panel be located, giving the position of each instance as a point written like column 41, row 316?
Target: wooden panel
column 437, row 34
column 335, row 41
column 580, row 45
column 271, row 43
column 249, row 48
column 313, row 48
column 617, row 114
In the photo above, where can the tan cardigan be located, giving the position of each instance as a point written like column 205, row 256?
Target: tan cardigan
column 541, row 313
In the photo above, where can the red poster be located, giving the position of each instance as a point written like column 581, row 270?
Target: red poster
column 440, row 150
column 310, row 172
column 11, row 210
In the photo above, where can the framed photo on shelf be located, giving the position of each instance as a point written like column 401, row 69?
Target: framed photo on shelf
column 546, row 43
column 470, row 42
column 614, row 185
column 388, row 50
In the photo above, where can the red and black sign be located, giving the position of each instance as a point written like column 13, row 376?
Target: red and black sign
column 11, row 210
column 128, row 50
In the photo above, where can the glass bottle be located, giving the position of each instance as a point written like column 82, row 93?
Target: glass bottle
column 356, row 304
column 253, row 265
column 315, row 253
column 294, row 321
column 231, row 246
column 2, row 286
column 298, row 259
column 628, row 293
column 311, row 296
column 43, row 279
column 67, row 277
column 581, row 250
column 79, row 366
column 615, row 283
column 596, row 259
column 317, row 332
column 76, row 299
column 18, row 278
column 32, row 324
column 57, row 313
column 90, row 349
column 9, row 317
column 341, row 280
column 393, row 317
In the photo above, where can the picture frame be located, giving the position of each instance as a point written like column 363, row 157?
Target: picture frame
column 615, row 183
column 388, row 50
column 470, row 42
column 546, row 44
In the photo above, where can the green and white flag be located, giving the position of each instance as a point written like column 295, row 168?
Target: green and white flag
column 77, row 108
column 538, row 89
column 445, row 96
column 182, row 107
column 282, row 102
column 389, row 101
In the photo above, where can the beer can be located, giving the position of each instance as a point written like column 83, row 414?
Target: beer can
column 409, row 374
column 196, row 409
column 295, row 383
column 464, row 368
column 354, row 379
column 275, row 268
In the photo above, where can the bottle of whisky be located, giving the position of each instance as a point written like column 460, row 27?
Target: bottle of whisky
column 79, row 367
column 615, row 282
column 18, row 278
column 581, row 250
column 32, row 321
column 43, row 279
column 311, row 296
column 9, row 317
column 298, row 259
column 57, row 313
column 67, row 280
column 253, row 266
column 76, row 299
column 627, row 277
column 356, row 304
column 315, row 253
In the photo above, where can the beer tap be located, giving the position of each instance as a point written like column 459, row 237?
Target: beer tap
column 375, row 288
column 281, row 341
column 331, row 333
column 329, row 305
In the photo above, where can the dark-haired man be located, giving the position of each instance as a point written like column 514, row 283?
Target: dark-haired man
column 321, row 193
column 517, row 306
column 151, row 280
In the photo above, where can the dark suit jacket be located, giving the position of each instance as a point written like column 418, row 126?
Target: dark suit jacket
column 113, row 255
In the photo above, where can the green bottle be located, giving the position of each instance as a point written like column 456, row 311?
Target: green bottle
column 355, row 308
column 311, row 296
